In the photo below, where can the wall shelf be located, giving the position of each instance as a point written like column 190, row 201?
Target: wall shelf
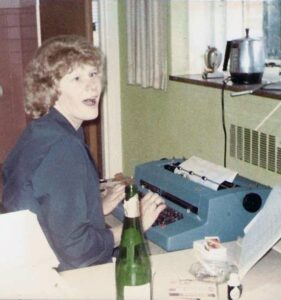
column 218, row 82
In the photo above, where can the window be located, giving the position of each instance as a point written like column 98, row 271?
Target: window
column 272, row 28
column 197, row 24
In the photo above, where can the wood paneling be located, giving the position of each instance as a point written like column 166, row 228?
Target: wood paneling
column 18, row 37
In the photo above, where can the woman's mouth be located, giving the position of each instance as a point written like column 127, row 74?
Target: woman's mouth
column 90, row 101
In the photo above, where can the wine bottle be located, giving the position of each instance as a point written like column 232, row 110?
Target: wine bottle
column 133, row 269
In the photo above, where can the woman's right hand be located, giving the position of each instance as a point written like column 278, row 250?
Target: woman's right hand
column 151, row 205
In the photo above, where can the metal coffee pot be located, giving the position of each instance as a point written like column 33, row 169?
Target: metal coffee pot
column 247, row 60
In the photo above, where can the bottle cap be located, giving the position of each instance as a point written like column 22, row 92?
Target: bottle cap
column 233, row 279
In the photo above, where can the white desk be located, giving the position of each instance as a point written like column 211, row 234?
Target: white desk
column 261, row 283
column 98, row 282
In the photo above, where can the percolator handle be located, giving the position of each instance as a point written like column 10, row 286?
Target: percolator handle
column 226, row 55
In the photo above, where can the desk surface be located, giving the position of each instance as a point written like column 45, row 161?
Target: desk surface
column 98, row 282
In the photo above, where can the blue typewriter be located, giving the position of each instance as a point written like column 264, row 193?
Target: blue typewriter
column 193, row 210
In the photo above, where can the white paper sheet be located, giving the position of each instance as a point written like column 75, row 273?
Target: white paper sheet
column 26, row 260
column 22, row 241
column 262, row 232
column 213, row 174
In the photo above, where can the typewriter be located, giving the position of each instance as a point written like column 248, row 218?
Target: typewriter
column 193, row 210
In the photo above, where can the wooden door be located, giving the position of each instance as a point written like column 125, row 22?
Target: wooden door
column 73, row 17
column 18, row 41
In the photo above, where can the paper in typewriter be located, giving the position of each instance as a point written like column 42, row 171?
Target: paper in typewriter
column 205, row 172
column 262, row 232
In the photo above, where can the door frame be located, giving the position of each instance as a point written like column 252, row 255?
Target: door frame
column 111, row 103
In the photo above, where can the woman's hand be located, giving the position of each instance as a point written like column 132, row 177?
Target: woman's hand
column 151, row 206
column 111, row 197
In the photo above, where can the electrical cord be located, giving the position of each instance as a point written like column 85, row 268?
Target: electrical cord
column 225, row 81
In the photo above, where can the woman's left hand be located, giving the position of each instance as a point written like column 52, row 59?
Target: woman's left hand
column 111, row 197
column 151, row 206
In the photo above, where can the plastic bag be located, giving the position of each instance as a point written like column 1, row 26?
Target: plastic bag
column 212, row 271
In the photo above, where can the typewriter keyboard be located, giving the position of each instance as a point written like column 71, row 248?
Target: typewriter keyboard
column 167, row 216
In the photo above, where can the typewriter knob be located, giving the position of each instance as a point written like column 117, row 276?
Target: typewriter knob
column 252, row 202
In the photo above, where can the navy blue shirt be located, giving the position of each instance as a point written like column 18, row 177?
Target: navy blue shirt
column 50, row 172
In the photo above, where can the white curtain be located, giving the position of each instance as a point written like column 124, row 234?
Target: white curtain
column 147, row 34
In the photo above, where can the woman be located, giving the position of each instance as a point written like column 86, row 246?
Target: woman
column 50, row 170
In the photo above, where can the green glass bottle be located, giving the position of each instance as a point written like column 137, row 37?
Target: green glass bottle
column 133, row 269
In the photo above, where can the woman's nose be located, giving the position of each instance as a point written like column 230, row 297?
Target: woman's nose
column 93, row 85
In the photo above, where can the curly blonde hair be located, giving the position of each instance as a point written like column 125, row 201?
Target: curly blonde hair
column 56, row 57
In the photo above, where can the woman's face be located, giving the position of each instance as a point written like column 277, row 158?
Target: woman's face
column 80, row 92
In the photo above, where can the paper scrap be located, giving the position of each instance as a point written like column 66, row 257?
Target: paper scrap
column 192, row 289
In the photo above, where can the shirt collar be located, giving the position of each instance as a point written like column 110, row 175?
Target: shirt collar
column 58, row 117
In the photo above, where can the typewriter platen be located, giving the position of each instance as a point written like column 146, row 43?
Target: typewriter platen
column 195, row 211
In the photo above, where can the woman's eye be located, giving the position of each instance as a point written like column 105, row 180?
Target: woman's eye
column 93, row 74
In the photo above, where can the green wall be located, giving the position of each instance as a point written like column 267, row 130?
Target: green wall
column 186, row 120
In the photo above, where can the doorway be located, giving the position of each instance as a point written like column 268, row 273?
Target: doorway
column 76, row 16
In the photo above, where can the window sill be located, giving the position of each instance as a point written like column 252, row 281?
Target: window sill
column 217, row 83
